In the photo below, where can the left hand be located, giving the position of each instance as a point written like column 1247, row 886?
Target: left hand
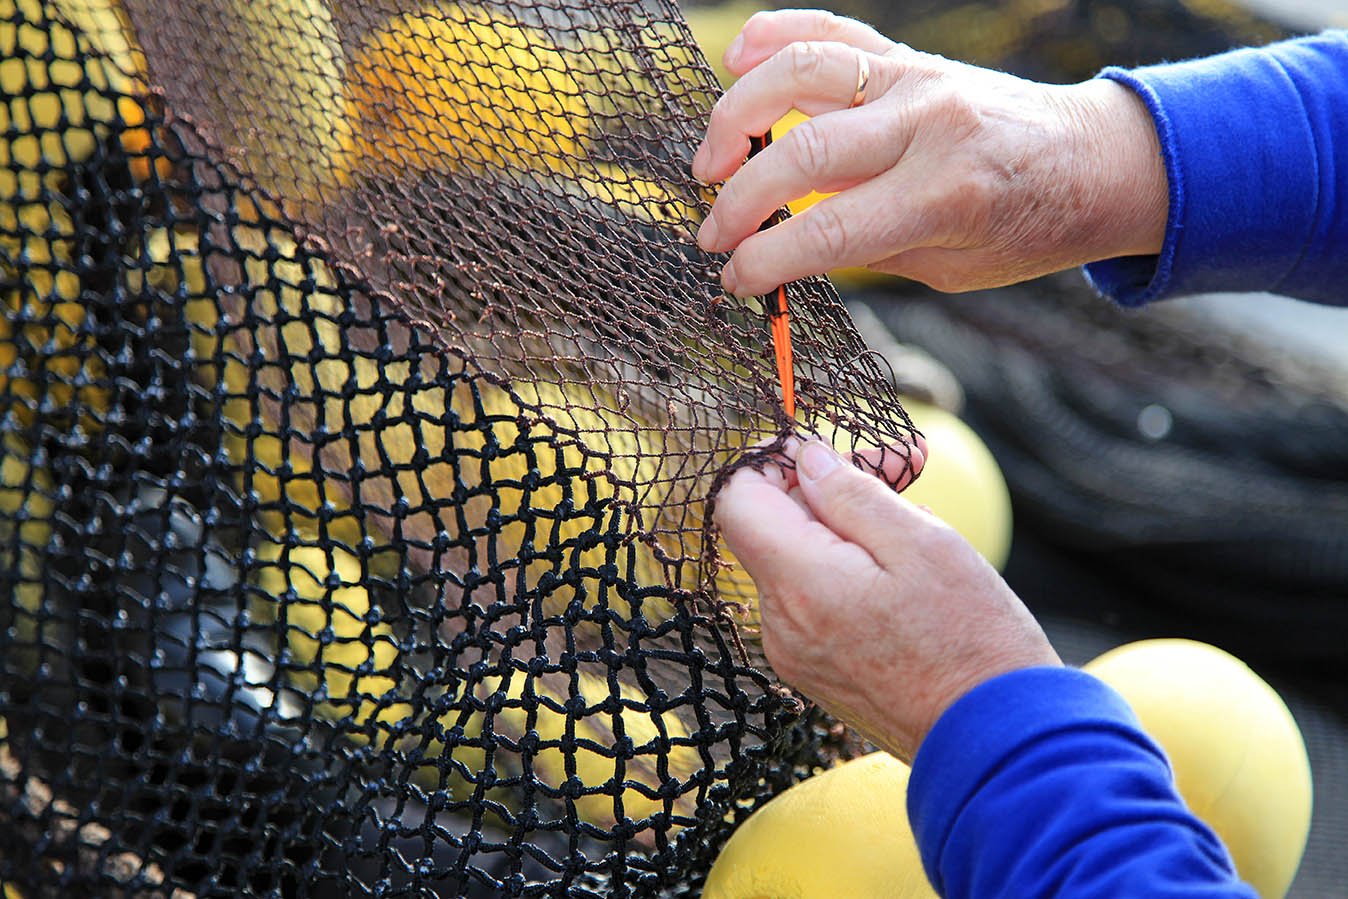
column 871, row 606
column 949, row 174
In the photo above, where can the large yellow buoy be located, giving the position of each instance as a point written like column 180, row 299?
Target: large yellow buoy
column 841, row 833
column 962, row 483
column 462, row 88
column 287, row 60
column 1238, row 757
column 1236, row 750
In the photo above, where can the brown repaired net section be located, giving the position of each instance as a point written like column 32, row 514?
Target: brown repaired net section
column 363, row 395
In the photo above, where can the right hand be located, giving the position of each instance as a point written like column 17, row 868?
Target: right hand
column 872, row 607
column 949, row 174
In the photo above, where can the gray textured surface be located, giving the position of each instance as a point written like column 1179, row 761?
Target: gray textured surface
column 1311, row 336
column 1308, row 15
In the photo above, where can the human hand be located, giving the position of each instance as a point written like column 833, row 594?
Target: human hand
column 871, row 606
column 949, row 174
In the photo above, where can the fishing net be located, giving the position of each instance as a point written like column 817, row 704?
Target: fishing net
column 364, row 402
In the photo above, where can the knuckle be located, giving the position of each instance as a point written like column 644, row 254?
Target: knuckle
column 721, row 114
column 968, row 196
column 829, row 25
column 966, row 209
column 805, row 60
column 938, row 540
column 747, row 269
column 727, row 201
column 825, row 229
column 957, row 110
column 808, row 147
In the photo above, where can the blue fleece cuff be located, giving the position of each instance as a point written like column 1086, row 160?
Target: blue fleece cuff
column 989, row 725
column 1256, row 160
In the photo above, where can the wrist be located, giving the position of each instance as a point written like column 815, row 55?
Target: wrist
column 1122, row 189
column 1038, row 654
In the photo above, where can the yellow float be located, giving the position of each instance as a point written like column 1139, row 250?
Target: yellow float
column 1238, row 756
column 962, row 483
column 1236, row 750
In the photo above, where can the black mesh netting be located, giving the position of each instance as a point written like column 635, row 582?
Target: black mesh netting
column 363, row 399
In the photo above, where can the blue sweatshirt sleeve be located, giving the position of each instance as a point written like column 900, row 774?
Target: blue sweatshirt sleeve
column 1256, row 151
column 1041, row 783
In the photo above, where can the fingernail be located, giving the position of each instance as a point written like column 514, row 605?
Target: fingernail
column 707, row 234
column 816, row 461
column 700, row 160
column 732, row 53
column 729, row 280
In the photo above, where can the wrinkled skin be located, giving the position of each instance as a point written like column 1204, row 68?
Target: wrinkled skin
column 871, row 605
column 956, row 176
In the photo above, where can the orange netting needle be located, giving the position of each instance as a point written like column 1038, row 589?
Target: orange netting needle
column 781, row 347
column 780, row 315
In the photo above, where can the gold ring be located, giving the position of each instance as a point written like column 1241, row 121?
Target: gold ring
column 863, row 79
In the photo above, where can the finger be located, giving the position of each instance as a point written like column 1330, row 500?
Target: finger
column 788, row 451
column 746, row 500
column 778, row 474
column 857, row 507
column 829, row 153
column 857, row 227
column 799, row 499
column 813, row 77
column 777, row 466
column 897, row 465
column 769, row 532
column 768, row 32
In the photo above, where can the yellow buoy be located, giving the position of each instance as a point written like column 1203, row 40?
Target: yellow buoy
column 1236, row 750
column 1237, row 753
column 468, row 91
column 715, row 26
column 962, row 483
column 841, row 833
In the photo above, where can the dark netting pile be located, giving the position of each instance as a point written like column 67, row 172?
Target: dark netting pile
column 363, row 399
column 1064, row 40
column 1200, row 473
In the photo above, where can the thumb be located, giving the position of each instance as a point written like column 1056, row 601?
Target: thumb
column 858, row 507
